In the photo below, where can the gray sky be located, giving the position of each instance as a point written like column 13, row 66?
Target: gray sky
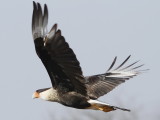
column 97, row 31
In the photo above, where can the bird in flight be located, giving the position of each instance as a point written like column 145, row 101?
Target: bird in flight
column 69, row 86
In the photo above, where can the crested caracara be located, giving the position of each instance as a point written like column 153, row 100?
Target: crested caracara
column 69, row 86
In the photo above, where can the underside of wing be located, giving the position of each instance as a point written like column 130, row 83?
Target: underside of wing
column 65, row 58
column 99, row 85
column 58, row 58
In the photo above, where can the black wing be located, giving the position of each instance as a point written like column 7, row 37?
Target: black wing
column 99, row 85
column 58, row 58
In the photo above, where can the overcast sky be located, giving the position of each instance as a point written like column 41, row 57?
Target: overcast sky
column 97, row 31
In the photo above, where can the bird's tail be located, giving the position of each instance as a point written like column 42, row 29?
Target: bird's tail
column 97, row 105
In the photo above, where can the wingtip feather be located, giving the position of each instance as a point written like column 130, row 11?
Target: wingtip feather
column 123, row 62
column 125, row 72
column 114, row 61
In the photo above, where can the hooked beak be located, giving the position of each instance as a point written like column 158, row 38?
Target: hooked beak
column 35, row 95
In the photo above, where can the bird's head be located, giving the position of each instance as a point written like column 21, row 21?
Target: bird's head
column 37, row 93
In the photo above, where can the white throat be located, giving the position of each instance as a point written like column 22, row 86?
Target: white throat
column 50, row 95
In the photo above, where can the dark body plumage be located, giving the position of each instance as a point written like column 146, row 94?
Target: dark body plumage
column 70, row 87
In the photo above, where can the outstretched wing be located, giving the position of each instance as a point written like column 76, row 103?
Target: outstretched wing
column 99, row 85
column 58, row 58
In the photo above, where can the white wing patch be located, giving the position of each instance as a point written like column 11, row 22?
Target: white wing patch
column 125, row 72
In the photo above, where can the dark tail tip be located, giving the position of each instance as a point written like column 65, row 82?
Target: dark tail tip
column 124, row 109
